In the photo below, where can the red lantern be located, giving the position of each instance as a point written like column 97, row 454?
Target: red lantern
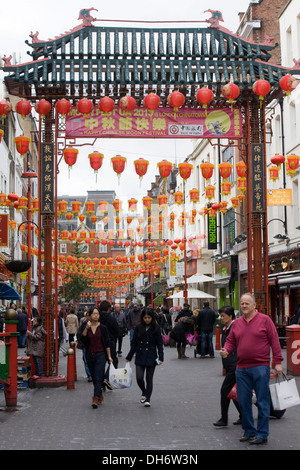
column 162, row 200
column 84, row 106
column 12, row 197
column 118, row 164
column 23, row 107
column 147, row 202
column 176, row 100
column 241, row 169
column 225, row 169
column 292, row 163
column 223, row 207
column 1, row 135
column 226, row 187
column 43, row 107
column 117, row 203
column 204, row 96
column 165, row 168
column 278, row 159
column 274, row 173
column 5, row 108
column 231, row 92
column 22, row 144
column 102, row 206
column 132, row 204
column 207, row 170
column 242, row 184
column 178, row 197
column 288, row 83
column 185, row 170
column 63, row 106
column 141, row 167
column 96, row 160
column 210, row 192
column 22, row 202
column 69, row 215
column 261, row 88
column 106, row 104
column 234, row 202
column 152, row 101
column 81, row 217
column 127, row 103
column 70, row 156
column 90, row 207
column 62, row 206
column 76, row 207
column 194, row 195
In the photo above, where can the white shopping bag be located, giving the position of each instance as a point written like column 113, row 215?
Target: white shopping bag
column 120, row 378
column 284, row 394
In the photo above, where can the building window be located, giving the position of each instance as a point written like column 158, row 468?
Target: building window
column 63, row 248
column 102, row 248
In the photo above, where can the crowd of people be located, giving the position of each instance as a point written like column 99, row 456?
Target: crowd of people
column 99, row 332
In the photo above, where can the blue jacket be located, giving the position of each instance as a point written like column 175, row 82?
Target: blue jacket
column 147, row 347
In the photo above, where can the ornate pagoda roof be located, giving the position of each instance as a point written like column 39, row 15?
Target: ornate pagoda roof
column 96, row 60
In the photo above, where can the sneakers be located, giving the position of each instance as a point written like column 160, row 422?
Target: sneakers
column 147, row 404
column 142, row 399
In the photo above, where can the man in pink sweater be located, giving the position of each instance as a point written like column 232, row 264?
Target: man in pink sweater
column 254, row 335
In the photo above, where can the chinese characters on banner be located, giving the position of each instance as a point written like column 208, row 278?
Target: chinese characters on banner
column 160, row 122
column 258, row 177
column 3, row 229
column 47, row 178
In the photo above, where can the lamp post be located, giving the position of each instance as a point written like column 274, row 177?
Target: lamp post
column 29, row 174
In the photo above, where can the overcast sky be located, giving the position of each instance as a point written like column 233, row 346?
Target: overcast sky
column 53, row 18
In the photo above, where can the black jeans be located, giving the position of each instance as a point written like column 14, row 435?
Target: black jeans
column 148, row 387
column 227, row 385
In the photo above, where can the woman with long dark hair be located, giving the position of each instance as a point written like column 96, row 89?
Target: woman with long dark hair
column 147, row 345
column 95, row 338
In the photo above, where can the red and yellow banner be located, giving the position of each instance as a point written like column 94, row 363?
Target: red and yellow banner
column 3, row 229
column 160, row 122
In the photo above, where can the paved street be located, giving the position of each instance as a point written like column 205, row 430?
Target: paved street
column 185, row 403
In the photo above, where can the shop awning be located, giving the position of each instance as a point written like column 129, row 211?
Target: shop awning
column 147, row 290
column 192, row 294
column 8, row 292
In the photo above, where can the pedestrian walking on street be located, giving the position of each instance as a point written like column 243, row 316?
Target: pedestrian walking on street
column 205, row 320
column 36, row 345
column 71, row 323
column 253, row 335
column 83, row 321
column 179, row 332
column 120, row 318
column 185, row 312
column 134, row 318
column 22, row 327
column 95, row 337
column 147, row 345
column 229, row 365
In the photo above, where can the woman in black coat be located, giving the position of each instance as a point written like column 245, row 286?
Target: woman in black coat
column 229, row 364
column 184, row 326
column 147, row 345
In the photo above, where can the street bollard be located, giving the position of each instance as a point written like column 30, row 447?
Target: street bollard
column 73, row 346
column 71, row 369
column 218, row 338
column 11, row 386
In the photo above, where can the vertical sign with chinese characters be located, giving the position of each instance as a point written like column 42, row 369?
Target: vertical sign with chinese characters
column 47, row 178
column 212, row 233
column 3, row 229
column 258, row 177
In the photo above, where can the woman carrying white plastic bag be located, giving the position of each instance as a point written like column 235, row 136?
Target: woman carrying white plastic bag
column 147, row 345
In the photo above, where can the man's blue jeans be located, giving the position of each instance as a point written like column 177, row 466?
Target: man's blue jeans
column 207, row 337
column 257, row 379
